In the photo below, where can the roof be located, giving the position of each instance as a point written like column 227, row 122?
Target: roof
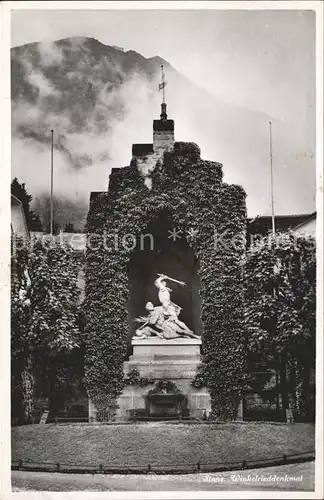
column 142, row 149
column 16, row 227
column 16, row 200
column 95, row 194
column 163, row 125
column 263, row 224
column 310, row 218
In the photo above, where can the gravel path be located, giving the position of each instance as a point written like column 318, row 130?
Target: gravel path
column 270, row 478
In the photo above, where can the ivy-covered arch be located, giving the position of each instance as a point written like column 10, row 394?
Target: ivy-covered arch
column 210, row 215
column 160, row 249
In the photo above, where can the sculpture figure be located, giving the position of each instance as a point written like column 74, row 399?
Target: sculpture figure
column 163, row 320
column 164, row 291
column 171, row 320
column 152, row 324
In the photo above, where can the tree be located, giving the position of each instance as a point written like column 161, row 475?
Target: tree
column 69, row 228
column 21, row 376
column 45, row 317
column 56, row 228
column 19, row 190
column 280, row 283
column 54, row 296
column 64, row 209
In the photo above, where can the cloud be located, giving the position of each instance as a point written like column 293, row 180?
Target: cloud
column 97, row 110
column 50, row 53
column 91, row 134
column 38, row 80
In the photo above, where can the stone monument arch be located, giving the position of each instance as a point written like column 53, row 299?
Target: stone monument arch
column 197, row 223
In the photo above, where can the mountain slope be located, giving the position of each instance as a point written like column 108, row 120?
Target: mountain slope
column 99, row 100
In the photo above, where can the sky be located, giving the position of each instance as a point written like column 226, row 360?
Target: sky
column 260, row 60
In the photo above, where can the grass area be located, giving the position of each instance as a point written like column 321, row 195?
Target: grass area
column 158, row 443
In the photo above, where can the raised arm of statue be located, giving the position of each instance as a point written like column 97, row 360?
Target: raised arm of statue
column 163, row 277
column 159, row 282
column 164, row 291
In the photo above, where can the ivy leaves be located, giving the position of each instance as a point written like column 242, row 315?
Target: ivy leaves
column 191, row 190
column 44, row 314
column 280, row 293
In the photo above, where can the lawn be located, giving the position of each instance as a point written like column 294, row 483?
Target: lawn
column 158, row 443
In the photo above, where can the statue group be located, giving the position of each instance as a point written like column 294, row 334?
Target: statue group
column 162, row 321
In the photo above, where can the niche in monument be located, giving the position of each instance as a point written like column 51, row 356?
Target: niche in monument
column 166, row 405
column 158, row 252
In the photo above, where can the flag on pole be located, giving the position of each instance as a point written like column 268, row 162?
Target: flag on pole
column 162, row 85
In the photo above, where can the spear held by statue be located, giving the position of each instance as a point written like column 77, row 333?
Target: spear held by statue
column 182, row 283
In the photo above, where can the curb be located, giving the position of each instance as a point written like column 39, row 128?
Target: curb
column 19, row 465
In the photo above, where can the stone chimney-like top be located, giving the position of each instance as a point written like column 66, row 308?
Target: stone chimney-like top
column 163, row 141
column 163, row 132
column 163, row 129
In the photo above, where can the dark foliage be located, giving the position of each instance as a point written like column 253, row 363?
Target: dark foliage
column 202, row 208
column 280, row 282
column 20, row 192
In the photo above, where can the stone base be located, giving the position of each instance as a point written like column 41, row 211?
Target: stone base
column 154, row 358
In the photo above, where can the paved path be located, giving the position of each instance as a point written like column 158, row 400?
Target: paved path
column 270, row 478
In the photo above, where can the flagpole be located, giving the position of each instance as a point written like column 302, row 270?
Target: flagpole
column 163, row 85
column 271, row 170
column 273, row 233
column 51, row 201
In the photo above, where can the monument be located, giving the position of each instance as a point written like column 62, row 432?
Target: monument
column 163, row 305
column 164, row 349
column 163, row 320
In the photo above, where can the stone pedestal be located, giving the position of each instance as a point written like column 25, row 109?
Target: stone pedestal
column 175, row 360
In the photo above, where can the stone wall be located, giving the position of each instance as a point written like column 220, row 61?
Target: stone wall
column 163, row 141
column 146, row 165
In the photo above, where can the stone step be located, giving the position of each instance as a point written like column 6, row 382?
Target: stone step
column 166, row 372
column 166, row 357
column 156, row 341
column 170, row 349
column 162, row 364
column 161, row 375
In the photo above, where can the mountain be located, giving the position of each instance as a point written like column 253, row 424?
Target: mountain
column 100, row 99
column 73, row 85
